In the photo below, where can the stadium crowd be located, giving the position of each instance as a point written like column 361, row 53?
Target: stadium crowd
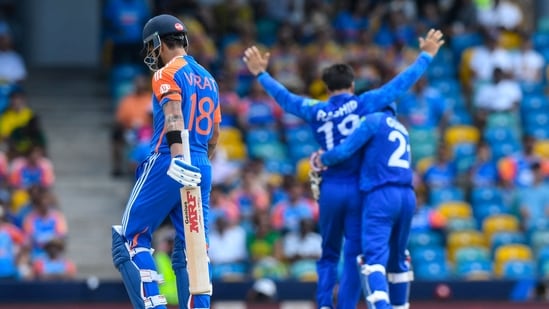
column 33, row 229
column 478, row 122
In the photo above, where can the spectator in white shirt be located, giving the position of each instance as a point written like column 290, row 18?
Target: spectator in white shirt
column 502, row 95
column 304, row 244
column 528, row 64
column 12, row 66
column 227, row 243
column 502, row 14
column 489, row 56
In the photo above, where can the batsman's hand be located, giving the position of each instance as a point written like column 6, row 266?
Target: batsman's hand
column 183, row 173
column 255, row 61
column 432, row 42
column 316, row 163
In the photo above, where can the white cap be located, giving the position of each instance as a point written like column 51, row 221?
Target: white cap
column 265, row 286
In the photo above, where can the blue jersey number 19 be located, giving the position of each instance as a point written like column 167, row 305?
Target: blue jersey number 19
column 398, row 158
column 345, row 128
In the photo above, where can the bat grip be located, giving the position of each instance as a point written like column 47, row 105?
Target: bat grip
column 186, row 146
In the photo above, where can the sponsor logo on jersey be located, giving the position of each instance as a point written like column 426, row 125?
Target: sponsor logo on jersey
column 164, row 88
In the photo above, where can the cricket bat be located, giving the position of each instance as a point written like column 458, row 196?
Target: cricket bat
column 195, row 235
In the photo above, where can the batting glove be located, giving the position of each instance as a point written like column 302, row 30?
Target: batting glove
column 184, row 173
column 315, row 163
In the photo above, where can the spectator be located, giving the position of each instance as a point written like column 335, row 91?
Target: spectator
column 17, row 115
column 13, row 243
column 426, row 217
column 285, row 57
column 232, row 16
column 302, row 248
column 133, row 112
column 3, row 166
column 162, row 257
column 424, row 107
column 34, row 169
column 54, row 265
column 351, row 21
column 442, row 173
column 462, row 17
column 259, row 110
column 250, row 195
column 229, row 100
column 12, row 66
column 500, row 14
column 202, row 48
column 486, row 58
column 534, row 199
column 44, row 222
column 287, row 214
column 528, row 63
column 123, row 21
column 221, row 206
column 483, row 172
column 226, row 171
column 227, row 249
column 22, row 139
column 141, row 146
column 264, row 241
column 516, row 168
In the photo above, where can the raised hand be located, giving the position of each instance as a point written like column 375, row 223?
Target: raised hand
column 432, row 42
column 256, row 62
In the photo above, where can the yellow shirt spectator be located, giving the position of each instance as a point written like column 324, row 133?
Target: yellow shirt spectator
column 17, row 115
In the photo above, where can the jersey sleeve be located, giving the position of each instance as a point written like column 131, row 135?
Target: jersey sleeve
column 368, row 127
column 165, row 88
column 217, row 114
column 380, row 98
column 290, row 102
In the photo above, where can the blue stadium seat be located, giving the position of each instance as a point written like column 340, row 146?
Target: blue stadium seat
column 477, row 269
column 260, row 135
column 464, row 156
column 447, row 86
column 540, row 132
column 299, row 151
column 505, row 238
column 503, row 140
column 431, row 271
column 121, row 79
column 440, row 71
column 482, row 211
column 540, row 40
column 461, row 224
column 460, row 116
column 428, row 254
column 440, row 195
column 463, row 41
column 424, row 238
column 472, row 254
column 534, row 103
column 534, row 120
column 299, row 134
column 282, row 167
column 486, row 195
column 539, row 239
column 519, row 270
column 531, row 88
column 273, row 150
column 5, row 90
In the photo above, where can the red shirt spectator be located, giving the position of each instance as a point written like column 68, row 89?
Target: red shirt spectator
column 35, row 169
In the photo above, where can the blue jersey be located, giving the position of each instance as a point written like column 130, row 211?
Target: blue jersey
column 386, row 153
column 184, row 80
column 333, row 120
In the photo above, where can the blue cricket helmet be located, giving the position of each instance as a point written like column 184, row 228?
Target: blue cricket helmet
column 157, row 28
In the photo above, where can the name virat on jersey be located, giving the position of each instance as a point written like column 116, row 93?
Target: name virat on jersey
column 345, row 109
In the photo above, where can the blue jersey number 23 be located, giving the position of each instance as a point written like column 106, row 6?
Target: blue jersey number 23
column 397, row 159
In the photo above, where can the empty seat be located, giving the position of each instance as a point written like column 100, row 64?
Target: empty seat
column 424, row 238
column 474, row 270
column 499, row 223
column 516, row 270
column 539, row 239
column 461, row 134
column 541, row 148
column 422, row 254
column 472, row 254
column 431, row 271
column 441, row 195
column 459, row 224
column 228, row 135
column 483, row 211
column 455, row 209
column 513, row 252
column 460, row 239
column 506, row 238
column 486, row 195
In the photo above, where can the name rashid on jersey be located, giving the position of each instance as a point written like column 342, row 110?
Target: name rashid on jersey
column 345, row 109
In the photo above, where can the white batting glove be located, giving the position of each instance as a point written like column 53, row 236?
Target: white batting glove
column 183, row 173
column 315, row 179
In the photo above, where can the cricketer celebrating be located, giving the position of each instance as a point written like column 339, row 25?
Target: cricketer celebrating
column 332, row 121
column 184, row 93
column 389, row 200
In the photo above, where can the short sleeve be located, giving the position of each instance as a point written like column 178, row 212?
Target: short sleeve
column 217, row 115
column 164, row 86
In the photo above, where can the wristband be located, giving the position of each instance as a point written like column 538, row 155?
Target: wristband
column 174, row 137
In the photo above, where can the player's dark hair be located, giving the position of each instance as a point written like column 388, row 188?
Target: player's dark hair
column 175, row 40
column 338, row 76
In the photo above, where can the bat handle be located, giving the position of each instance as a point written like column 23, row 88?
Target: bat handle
column 186, row 146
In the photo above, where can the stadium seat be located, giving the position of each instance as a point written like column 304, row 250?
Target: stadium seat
column 541, row 148
column 460, row 116
column 460, row 239
column 273, row 150
column 503, row 120
column 474, row 270
column 300, row 151
column 428, row 254
column 447, row 86
column 531, row 88
column 539, row 239
column 228, row 135
column 235, row 151
column 472, row 254
column 461, row 134
column 431, row 271
column 516, row 270
column 513, row 252
column 486, row 195
column 540, row 40
column 299, row 134
column 424, row 239
column 441, row 195
column 304, row 270
column 499, row 239
column 423, row 164
column 485, row 210
column 458, row 224
column 464, row 156
column 464, row 41
column 281, row 167
column 260, row 135
column 455, row 210
column 499, row 223
column 303, row 168
column 539, row 132
column 534, row 103
column 440, row 71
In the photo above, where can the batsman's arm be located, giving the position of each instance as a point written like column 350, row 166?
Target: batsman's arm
column 352, row 143
column 173, row 125
column 290, row 102
column 380, row 98
column 212, row 143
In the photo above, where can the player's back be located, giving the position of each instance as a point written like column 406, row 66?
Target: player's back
column 387, row 155
column 331, row 122
column 199, row 101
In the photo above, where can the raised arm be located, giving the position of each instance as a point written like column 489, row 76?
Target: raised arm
column 290, row 102
column 380, row 98
column 352, row 143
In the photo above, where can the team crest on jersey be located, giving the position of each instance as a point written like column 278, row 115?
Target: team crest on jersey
column 164, row 88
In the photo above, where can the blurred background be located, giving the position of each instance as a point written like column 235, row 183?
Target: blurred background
column 75, row 122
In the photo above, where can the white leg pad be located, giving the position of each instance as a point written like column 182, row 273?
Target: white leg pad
column 378, row 296
column 148, row 275
column 368, row 269
column 400, row 277
column 405, row 306
column 156, row 300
